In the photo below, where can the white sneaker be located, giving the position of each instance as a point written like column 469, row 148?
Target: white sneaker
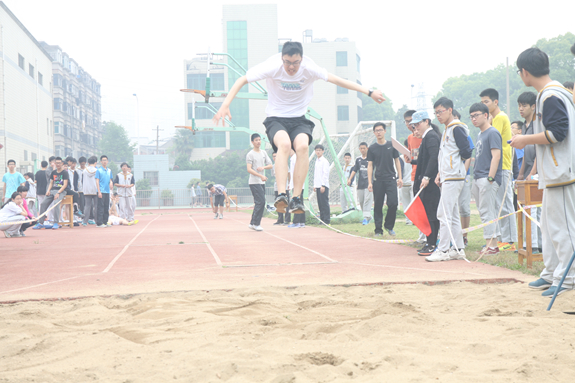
column 454, row 254
column 258, row 228
column 221, row 216
column 216, row 216
column 251, row 227
column 438, row 256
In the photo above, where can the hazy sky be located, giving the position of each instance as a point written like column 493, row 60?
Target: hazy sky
column 139, row 46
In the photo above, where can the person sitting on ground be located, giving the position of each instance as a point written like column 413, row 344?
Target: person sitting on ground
column 113, row 218
column 23, row 190
column 10, row 214
column 218, row 194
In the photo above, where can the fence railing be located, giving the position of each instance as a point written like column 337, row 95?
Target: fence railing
column 183, row 197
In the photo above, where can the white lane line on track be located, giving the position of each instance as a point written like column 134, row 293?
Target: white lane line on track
column 43, row 284
column 128, row 245
column 410, row 268
column 295, row 244
column 218, row 261
column 281, row 264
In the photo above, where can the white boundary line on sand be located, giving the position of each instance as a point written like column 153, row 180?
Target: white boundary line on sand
column 111, row 264
column 295, row 244
column 218, row 261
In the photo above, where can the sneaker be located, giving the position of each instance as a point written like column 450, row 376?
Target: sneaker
column 540, row 284
column 296, row 206
column 390, row 232
column 271, row 209
column 293, row 225
column 48, row 226
column 455, row 254
column 286, row 223
column 55, row 227
column 258, row 228
column 38, row 226
column 428, row 250
column 15, row 235
column 438, row 256
column 6, row 234
column 364, row 221
column 221, row 216
column 506, row 246
column 379, row 234
column 22, row 234
column 551, row 291
column 301, row 225
column 91, row 222
column 278, row 223
column 84, row 224
column 216, row 216
column 490, row 251
column 281, row 203
column 133, row 222
column 102, row 225
column 250, row 226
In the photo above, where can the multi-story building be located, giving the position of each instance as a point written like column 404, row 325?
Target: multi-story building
column 77, row 106
column 26, row 126
column 250, row 35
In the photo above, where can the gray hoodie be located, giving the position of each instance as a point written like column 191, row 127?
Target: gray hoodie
column 89, row 181
column 555, row 161
column 453, row 151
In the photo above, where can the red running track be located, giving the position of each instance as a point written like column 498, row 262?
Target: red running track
column 178, row 250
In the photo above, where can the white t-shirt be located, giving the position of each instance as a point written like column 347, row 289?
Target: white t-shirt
column 9, row 211
column 289, row 96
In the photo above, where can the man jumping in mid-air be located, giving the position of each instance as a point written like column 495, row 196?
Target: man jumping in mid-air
column 289, row 78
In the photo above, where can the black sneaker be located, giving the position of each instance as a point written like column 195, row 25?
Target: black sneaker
column 426, row 251
column 281, row 203
column 278, row 223
column 296, row 206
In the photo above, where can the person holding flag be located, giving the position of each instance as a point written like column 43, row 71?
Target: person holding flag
column 423, row 209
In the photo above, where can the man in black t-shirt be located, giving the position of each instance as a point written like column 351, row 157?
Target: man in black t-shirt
column 41, row 178
column 383, row 156
column 59, row 179
column 364, row 195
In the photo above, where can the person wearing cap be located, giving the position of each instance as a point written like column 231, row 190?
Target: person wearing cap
column 321, row 184
column 454, row 150
column 426, row 173
column 289, row 77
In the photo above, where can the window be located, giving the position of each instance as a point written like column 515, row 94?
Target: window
column 40, row 78
column 59, row 151
column 357, row 59
column 202, row 113
column 153, row 177
column 34, row 157
column 57, row 104
column 31, row 70
column 21, row 61
column 343, row 113
column 341, row 58
column 57, row 80
column 56, row 127
column 25, row 155
column 341, row 90
column 198, row 81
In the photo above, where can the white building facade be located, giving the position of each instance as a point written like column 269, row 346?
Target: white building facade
column 26, row 120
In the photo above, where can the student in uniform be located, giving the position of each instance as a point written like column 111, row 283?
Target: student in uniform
column 124, row 183
column 90, row 192
column 425, row 175
column 364, row 195
column 553, row 135
column 347, row 166
column 383, row 161
column 321, row 184
column 257, row 162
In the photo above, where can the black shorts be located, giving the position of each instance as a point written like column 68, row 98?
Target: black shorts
column 218, row 200
column 292, row 125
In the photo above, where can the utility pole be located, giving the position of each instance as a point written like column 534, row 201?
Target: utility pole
column 158, row 139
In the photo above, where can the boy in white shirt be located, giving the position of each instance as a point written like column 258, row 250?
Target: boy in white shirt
column 289, row 78
column 321, row 184
column 125, row 182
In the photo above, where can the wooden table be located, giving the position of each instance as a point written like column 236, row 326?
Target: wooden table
column 528, row 193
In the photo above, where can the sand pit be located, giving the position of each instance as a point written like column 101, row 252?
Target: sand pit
column 460, row 332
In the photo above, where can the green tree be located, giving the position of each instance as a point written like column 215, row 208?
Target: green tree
column 228, row 166
column 115, row 144
column 182, row 148
column 372, row 111
column 401, row 131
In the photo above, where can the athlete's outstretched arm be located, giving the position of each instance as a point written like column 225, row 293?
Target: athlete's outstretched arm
column 376, row 95
column 225, row 108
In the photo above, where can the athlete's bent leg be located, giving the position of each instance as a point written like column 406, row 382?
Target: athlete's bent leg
column 301, row 147
column 283, row 143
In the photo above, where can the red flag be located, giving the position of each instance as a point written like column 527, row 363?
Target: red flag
column 416, row 213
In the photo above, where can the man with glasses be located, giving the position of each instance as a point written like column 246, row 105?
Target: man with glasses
column 383, row 181
column 454, row 150
column 490, row 97
column 289, row 79
column 486, row 173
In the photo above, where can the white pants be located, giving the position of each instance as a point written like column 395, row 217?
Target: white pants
column 406, row 195
column 508, row 226
column 126, row 208
column 558, row 232
column 15, row 228
column 485, row 194
column 365, row 198
column 448, row 215
column 465, row 198
column 342, row 199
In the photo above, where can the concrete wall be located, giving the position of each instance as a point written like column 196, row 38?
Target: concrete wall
column 167, row 178
column 26, row 121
